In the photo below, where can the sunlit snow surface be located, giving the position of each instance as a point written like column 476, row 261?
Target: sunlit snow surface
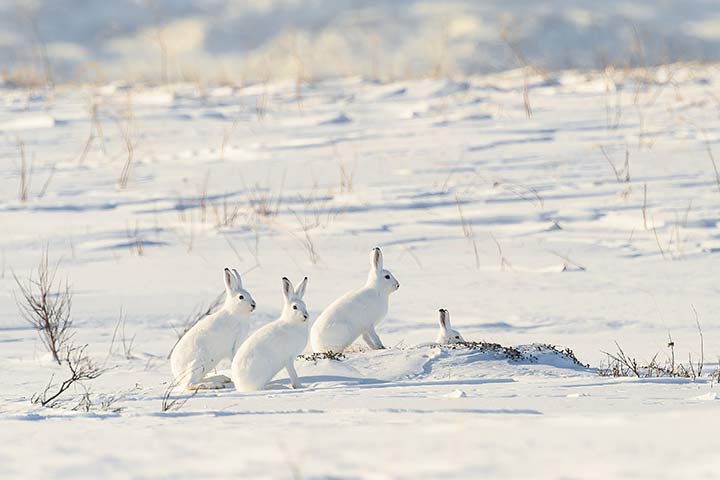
column 275, row 182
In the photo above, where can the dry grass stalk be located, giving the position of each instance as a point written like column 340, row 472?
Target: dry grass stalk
column 170, row 404
column 468, row 232
column 46, row 306
column 25, row 173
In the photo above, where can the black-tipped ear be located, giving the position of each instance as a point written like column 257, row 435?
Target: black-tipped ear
column 287, row 289
column 229, row 278
column 444, row 318
column 300, row 290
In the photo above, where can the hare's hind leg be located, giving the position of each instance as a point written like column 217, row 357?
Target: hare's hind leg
column 196, row 379
column 219, row 378
column 207, row 384
column 372, row 339
column 212, row 383
column 294, row 382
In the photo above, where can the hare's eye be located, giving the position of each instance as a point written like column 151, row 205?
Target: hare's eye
column 241, row 297
column 294, row 307
column 387, row 277
column 457, row 336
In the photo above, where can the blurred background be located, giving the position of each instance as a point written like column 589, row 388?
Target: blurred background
column 238, row 41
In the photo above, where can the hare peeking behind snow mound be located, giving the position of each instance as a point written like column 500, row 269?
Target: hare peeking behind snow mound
column 447, row 334
column 356, row 313
column 214, row 338
column 274, row 346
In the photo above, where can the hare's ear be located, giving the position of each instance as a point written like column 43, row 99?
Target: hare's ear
column 229, row 279
column 377, row 260
column 444, row 319
column 238, row 280
column 300, row 290
column 287, row 289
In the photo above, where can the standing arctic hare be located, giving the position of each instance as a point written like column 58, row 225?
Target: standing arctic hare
column 447, row 334
column 214, row 338
column 356, row 313
column 274, row 346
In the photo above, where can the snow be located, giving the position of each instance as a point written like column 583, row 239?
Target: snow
column 257, row 179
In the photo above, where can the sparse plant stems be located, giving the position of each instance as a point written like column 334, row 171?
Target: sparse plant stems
column 701, row 361
column 170, row 404
column 95, row 132
column 503, row 261
column 47, row 307
column 657, row 240
column 708, row 148
column 526, row 68
column 468, row 232
column 126, row 343
column 81, row 368
column 622, row 176
column 644, row 206
column 135, row 243
column 126, row 127
column 25, row 173
column 622, row 365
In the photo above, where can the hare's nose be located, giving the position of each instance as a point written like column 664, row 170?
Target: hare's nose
column 305, row 317
column 253, row 305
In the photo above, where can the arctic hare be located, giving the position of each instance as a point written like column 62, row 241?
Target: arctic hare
column 214, row 338
column 274, row 346
column 356, row 313
column 447, row 334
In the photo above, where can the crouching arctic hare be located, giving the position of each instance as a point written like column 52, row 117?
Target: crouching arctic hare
column 356, row 313
column 274, row 346
column 447, row 334
column 214, row 338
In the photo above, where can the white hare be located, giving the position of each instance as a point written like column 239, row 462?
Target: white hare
column 214, row 338
column 356, row 313
column 274, row 346
column 447, row 334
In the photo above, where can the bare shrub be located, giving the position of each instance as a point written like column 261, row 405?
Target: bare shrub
column 170, row 404
column 46, row 306
column 81, row 367
column 620, row 364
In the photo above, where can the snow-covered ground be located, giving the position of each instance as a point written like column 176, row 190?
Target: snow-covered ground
column 518, row 225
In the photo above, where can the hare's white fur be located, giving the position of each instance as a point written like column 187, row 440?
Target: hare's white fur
column 214, row 338
column 447, row 334
column 274, row 346
column 356, row 313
